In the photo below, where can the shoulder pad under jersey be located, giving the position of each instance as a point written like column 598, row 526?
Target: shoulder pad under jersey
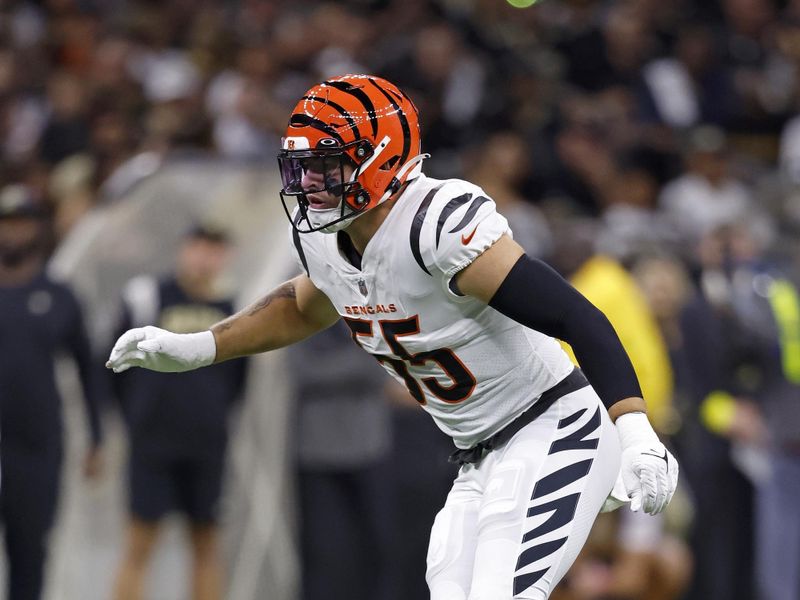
column 455, row 223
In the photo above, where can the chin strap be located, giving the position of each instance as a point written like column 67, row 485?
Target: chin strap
column 414, row 165
column 337, row 225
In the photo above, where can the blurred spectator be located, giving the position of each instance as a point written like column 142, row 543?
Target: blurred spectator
column 629, row 555
column 67, row 130
column 748, row 23
column 345, row 480
column 240, row 102
column 586, row 159
column 691, row 86
column 72, row 190
column 613, row 53
column 347, row 33
column 164, row 70
column 706, row 196
column 499, row 167
column 599, row 134
column 665, row 283
column 168, row 469
column 760, row 83
column 720, row 386
column 790, row 151
column 765, row 428
column 448, row 81
column 630, row 223
column 613, row 290
column 38, row 319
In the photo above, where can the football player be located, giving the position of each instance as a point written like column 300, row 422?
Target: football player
column 426, row 275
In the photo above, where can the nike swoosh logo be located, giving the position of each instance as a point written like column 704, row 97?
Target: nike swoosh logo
column 466, row 239
column 664, row 458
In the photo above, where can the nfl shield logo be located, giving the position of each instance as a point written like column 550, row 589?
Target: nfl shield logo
column 362, row 287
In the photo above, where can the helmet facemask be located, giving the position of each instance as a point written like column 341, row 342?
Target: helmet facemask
column 338, row 175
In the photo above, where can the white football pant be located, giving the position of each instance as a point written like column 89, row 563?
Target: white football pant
column 514, row 523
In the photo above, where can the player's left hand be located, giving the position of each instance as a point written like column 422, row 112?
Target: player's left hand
column 649, row 471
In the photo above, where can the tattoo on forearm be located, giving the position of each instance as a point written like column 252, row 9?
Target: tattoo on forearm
column 223, row 325
column 285, row 291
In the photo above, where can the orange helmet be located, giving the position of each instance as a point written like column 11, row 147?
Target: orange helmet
column 357, row 123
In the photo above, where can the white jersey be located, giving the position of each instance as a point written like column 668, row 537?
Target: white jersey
column 472, row 368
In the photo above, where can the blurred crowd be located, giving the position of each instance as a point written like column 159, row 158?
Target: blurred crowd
column 649, row 150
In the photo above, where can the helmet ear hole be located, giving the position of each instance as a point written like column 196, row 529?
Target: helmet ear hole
column 389, row 164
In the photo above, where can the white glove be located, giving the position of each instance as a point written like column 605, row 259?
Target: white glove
column 161, row 350
column 649, row 472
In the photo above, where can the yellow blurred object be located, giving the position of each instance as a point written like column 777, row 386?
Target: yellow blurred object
column 786, row 309
column 613, row 290
column 717, row 411
column 521, row 3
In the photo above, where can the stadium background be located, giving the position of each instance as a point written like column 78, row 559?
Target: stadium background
column 594, row 121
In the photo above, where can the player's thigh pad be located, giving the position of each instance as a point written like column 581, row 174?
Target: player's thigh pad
column 539, row 496
column 451, row 549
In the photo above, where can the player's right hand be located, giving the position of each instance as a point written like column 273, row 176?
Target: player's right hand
column 650, row 475
column 649, row 471
column 161, row 350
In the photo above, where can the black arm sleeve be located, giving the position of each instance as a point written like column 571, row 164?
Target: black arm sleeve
column 534, row 295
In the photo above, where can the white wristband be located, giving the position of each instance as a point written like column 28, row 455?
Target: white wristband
column 634, row 428
column 204, row 346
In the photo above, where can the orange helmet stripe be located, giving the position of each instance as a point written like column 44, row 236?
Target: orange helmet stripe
column 342, row 110
column 301, row 120
column 403, row 121
column 361, row 96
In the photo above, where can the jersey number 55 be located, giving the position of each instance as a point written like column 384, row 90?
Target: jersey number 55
column 463, row 381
